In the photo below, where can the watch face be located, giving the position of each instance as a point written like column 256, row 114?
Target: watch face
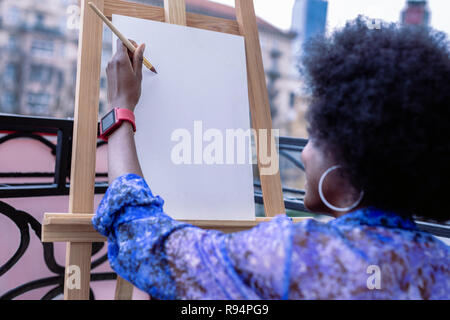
column 108, row 121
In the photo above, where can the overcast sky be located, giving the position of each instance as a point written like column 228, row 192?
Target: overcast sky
column 278, row 12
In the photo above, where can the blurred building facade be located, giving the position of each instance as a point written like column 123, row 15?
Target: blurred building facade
column 309, row 19
column 38, row 55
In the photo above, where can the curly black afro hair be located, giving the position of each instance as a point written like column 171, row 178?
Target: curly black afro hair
column 381, row 106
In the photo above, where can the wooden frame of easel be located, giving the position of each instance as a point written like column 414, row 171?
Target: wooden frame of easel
column 76, row 228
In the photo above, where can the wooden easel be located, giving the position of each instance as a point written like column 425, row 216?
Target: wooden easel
column 75, row 228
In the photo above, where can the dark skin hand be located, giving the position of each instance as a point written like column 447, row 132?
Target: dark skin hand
column 124, row 74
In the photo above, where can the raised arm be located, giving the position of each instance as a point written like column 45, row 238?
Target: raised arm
column 124, row 74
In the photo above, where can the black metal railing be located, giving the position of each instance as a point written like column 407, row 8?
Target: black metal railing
column 289, row 150
column 24, row 222
column 39, row 129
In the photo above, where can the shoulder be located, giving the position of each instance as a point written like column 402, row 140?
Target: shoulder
column 338, row 262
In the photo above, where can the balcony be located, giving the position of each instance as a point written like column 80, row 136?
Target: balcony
column 35, row 178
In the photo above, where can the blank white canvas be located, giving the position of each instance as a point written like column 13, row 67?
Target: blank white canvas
column 202, row 76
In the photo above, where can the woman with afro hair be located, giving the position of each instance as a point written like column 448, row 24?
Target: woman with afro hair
column 377, row 158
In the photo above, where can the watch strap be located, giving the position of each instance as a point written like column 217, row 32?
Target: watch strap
column 126, row 115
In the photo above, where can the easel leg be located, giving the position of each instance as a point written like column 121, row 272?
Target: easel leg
column 259, row 103
column 175, row 11
column 82, row 180
column 78, row 255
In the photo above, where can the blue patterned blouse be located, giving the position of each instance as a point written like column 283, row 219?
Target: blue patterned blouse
column 365, row 254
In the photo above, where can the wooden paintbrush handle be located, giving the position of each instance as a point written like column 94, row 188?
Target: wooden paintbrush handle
column 122, row 38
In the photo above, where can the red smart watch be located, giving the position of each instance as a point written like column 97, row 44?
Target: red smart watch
column 113, row 120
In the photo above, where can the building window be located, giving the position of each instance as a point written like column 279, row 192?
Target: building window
column 103, row 83
column 292, row 99
column 8, row 102
column 63, row 25
column 101, row 108
column 41, row 74
column 12, row 42
column 42, row 48
column 106, row 56
column 38, row 102
column 60, row 79
column 39, row 20
column 10, row 75
column 62, row 50
column 13, row 16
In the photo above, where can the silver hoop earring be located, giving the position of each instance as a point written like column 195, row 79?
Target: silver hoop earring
column 329, row 205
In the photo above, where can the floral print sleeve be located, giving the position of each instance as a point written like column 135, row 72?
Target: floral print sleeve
column 275, row 260
column 174, row 260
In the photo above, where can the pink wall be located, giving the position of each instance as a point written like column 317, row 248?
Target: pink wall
column 26, row 155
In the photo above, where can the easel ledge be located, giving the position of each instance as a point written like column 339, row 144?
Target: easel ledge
column 144, row 11
column 73, row 227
